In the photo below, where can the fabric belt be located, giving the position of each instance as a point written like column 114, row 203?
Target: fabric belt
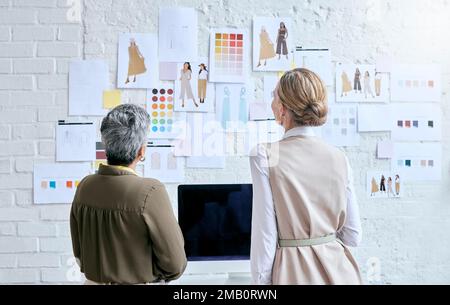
column 285, row 243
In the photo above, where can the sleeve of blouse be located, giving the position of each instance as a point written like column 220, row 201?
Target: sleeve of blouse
column 351, row 232
column 264, row 229
column 165, row 234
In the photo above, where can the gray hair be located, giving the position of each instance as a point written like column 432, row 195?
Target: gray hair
column 124, row 130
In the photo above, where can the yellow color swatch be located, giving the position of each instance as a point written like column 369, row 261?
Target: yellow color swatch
column 111, row 99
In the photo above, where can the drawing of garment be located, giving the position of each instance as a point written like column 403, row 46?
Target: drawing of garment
column 202, row 83
column 383, row 184
column 226, row 107
column 346, row 84
column 357, row 81
column 243, row 112
column 367, row 86
column 374, row 187
column 266, row 49
column 390, row 190
column 397, row 186
column 186, row 89
column 377, row 85
column 136, row 63
column 281, row 42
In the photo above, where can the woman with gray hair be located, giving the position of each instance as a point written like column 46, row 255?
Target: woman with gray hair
column 123, row 227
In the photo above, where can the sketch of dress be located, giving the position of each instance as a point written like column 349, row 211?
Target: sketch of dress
column 374, row 187
column 266, row 49
column 346, row 84
column 377, row 84
column 243, row 113
column 397, row 185
column 136, row 63
column 368, row 85
column 357, row 81
column 226, row 107
column 281, row 42
column 186, row 89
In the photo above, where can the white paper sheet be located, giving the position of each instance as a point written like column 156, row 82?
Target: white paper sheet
column 178, row 28
column 87, row 81
column 385, row 149
column 374, row 118
column 75, row 141
column 384, row 64
column 137, row 61
column 272, row 44
column 57, row 183
column 165, row 123
column 416, row 83
column 384, row 184
column 194, row 85
column 418, row 161
column 160, row 163
column 167, row 70
column 205, row 162
column 416, row 122
column 316, row 60
column 232, row 105
column 228, row 55
column 369, row 86
column 340, row 129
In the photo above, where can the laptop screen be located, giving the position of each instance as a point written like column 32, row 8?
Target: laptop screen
column 216, row 221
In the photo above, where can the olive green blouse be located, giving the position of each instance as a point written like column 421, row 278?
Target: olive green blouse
column 124, row 230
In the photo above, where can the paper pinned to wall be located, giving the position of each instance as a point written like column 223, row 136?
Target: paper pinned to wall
column 258, row 132
column 75, row 141
column 193, row 87
column 361, row 83
column 316, row 60
column 384, row 184
column 341, row 126
column 87, row 81
column 57, row 183
column 374, row 118
column 385, row 149
column 178, row 34
column 165, row 123
column 418, row 161
column 416, row 122
column 161, row 163
column 416, row 83
column 112, row 99
column 228, row 55
column 232, row 105
column 167, row 70
column 272, row 43
column 137, row 61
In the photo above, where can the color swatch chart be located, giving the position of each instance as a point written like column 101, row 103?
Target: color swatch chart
column 54, row 184
column 163, row 119
column 228, row 56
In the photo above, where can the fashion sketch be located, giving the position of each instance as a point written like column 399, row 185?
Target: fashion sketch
column 243, row 114
column 390, row 190
column 186, row 89
column 383, row 184
column 202, row 82
column 136, row 63
column 377, row 84
column 374, row 187
column 226, row 107
column 357, row 81
column 397, row 185
column 368, row 85
column 266, row 48
column 281, row 41
column 346, row 84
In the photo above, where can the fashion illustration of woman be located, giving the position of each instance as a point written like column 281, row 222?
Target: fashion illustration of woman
column 281, row 41
column 397, row 185
column 136, row 62
column 383, row 184
column 374, row 187
column 266, row 50
column 186, row 89
column 368, row 85
column 346, row 84
column 357, row 81
column 202, row 82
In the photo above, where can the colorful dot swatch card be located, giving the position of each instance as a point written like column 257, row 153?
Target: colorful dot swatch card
column 228, row 55
column 57, row 183
column 165, row 123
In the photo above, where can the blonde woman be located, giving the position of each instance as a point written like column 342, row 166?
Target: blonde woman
column 305, row 213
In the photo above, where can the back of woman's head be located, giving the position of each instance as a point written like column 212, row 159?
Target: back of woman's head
column 124, row 131
column 303, row 93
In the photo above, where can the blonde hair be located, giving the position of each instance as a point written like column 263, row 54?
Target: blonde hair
column 304, row 94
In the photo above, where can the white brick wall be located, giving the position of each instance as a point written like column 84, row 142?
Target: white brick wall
column 37, row 43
